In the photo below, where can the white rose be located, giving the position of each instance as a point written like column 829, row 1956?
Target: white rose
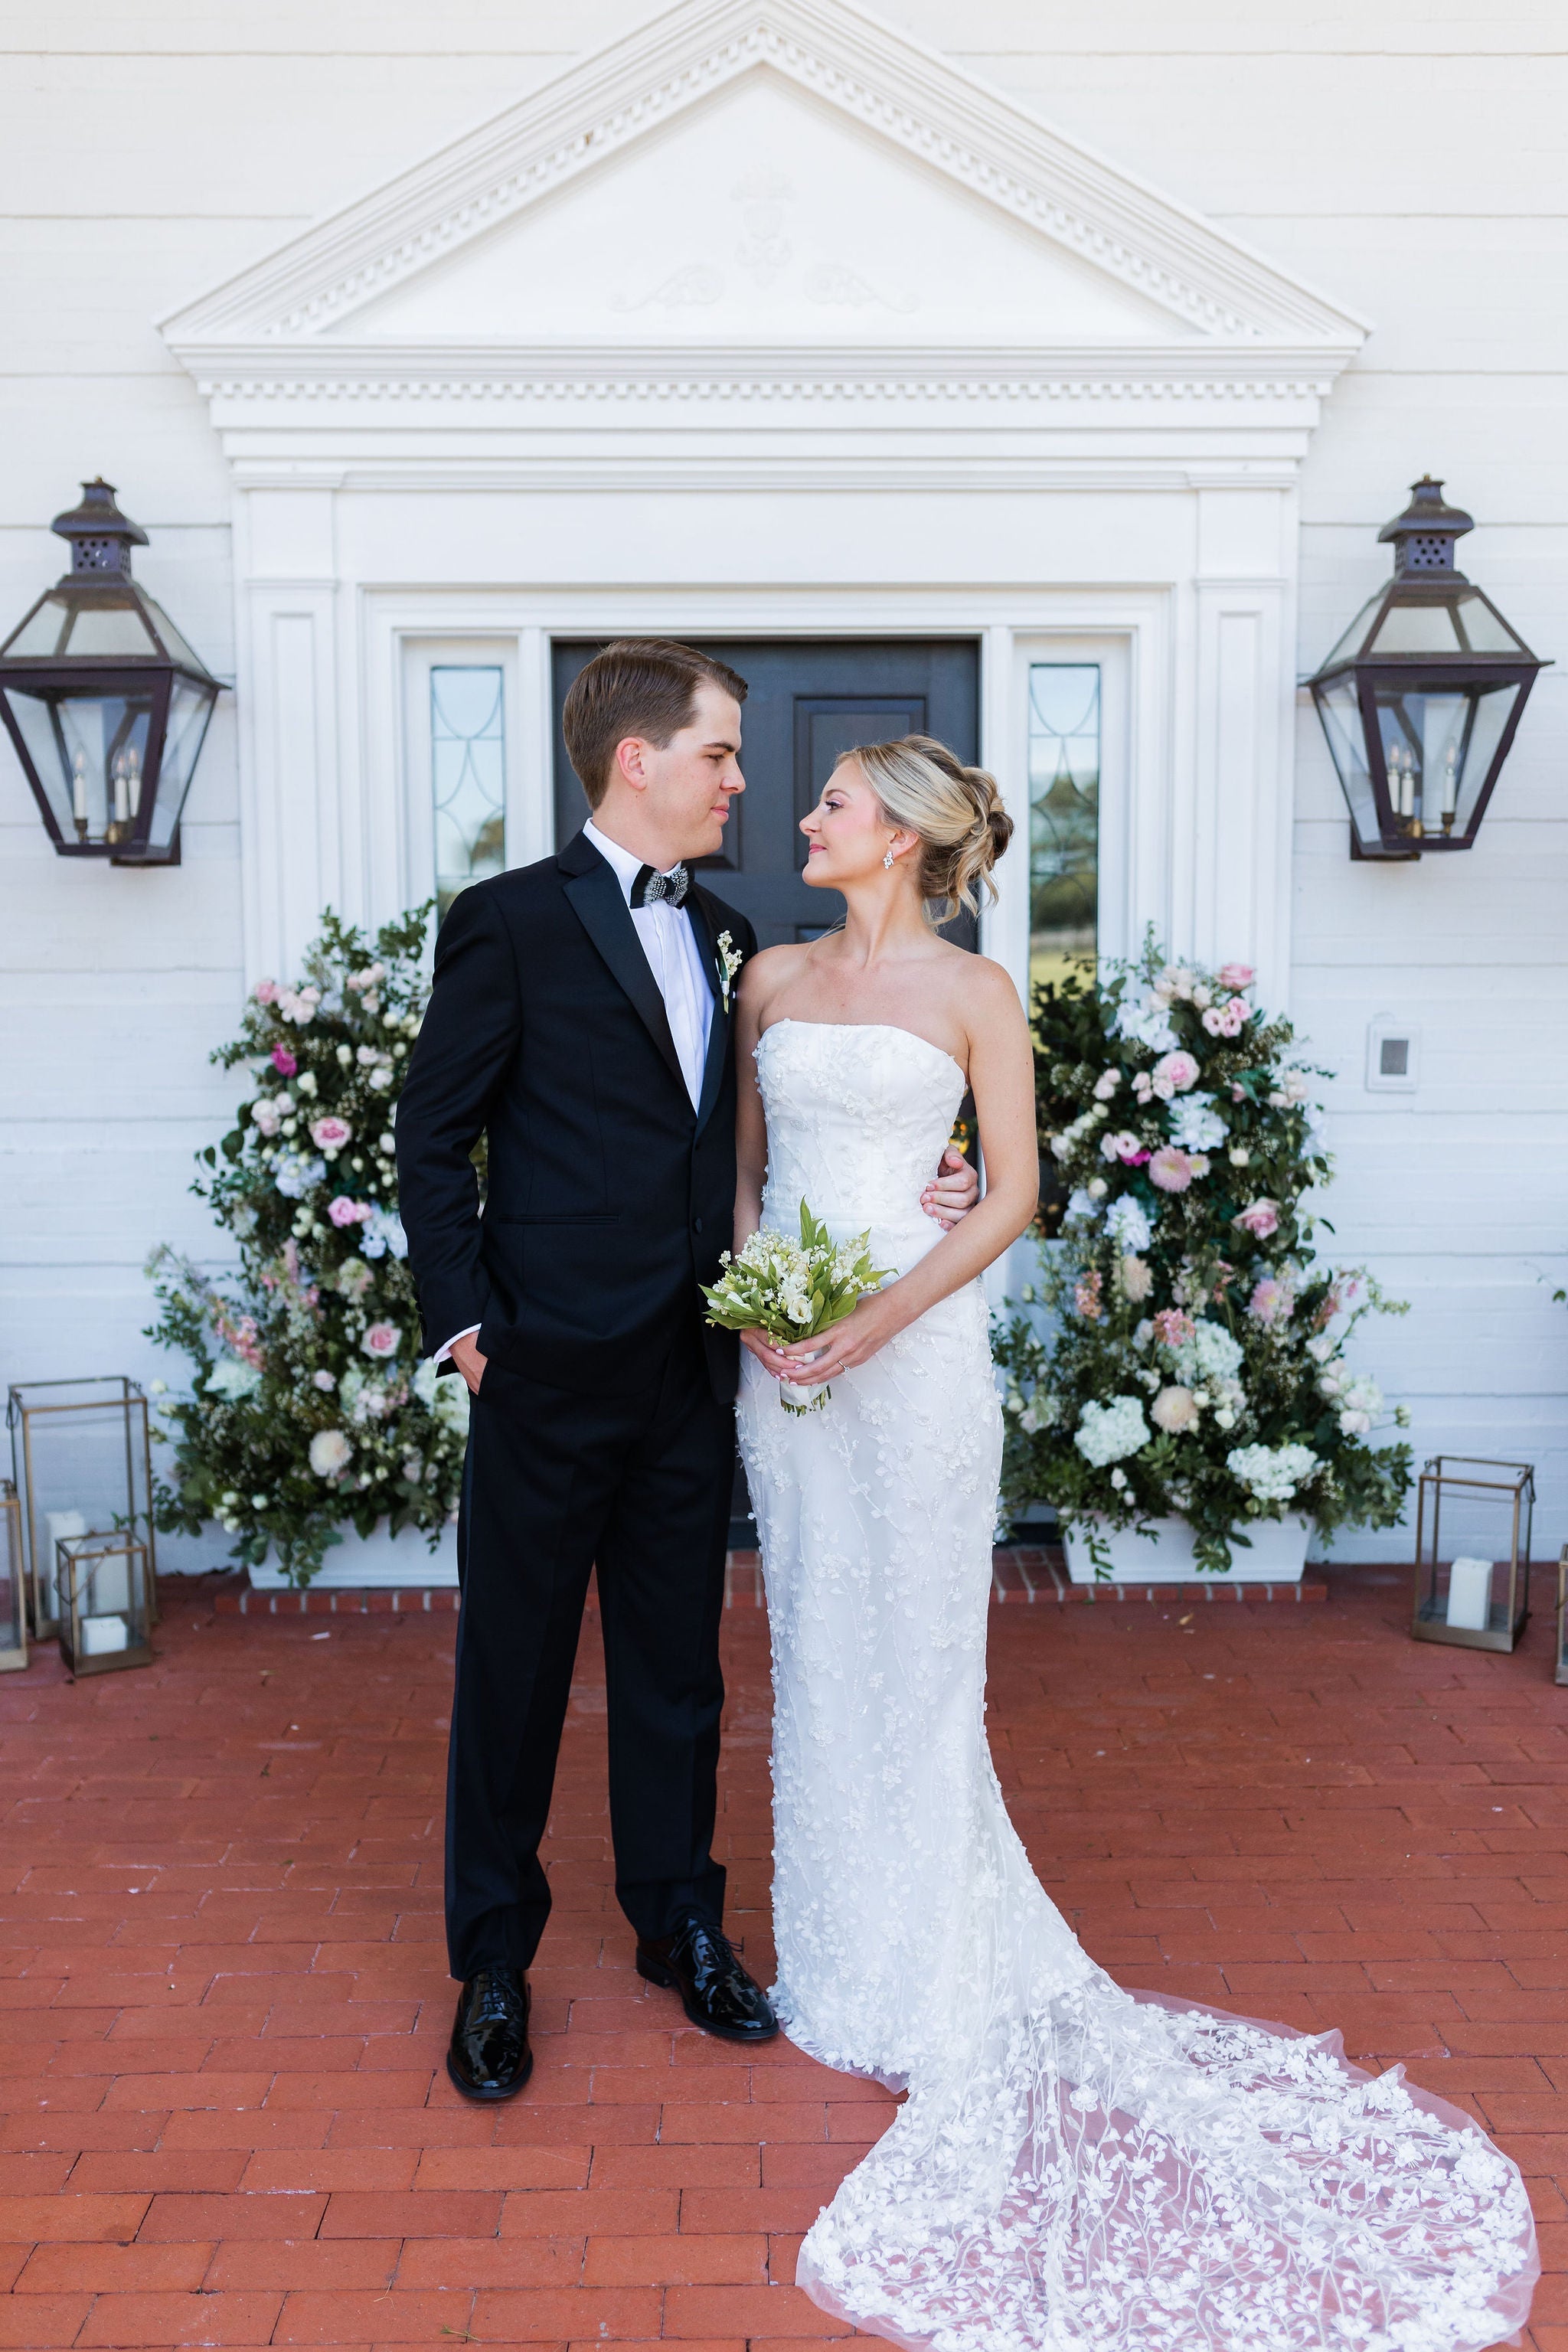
column 330, row 1453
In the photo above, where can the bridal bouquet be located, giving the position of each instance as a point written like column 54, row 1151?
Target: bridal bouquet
column 794, row 1290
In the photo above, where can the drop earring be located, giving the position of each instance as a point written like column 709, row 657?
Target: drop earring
column 887, row 861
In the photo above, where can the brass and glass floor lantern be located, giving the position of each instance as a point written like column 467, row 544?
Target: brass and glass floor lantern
column 1472, row 1552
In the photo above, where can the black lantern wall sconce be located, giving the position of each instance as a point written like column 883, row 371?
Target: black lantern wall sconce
column 107, row 705
column 1421, row 695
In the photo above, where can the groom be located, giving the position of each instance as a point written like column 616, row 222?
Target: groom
column 581, row 1022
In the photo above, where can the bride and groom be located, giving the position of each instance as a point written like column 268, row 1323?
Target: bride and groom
column 1075, row 2164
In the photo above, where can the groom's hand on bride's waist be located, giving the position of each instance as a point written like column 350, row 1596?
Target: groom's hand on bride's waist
column 954, row 1191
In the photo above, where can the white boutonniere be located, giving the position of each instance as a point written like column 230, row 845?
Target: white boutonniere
column 729, row 962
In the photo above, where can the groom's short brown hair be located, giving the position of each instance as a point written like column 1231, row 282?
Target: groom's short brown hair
column 638, row 686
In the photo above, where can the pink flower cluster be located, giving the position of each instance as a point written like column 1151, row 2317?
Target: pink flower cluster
column 1259, row 1218
column 242, row 1337
column 1173, row 1074
column 1235, row 975
column 1228, row 1020
column 1087, row 1298
column 283, row 1062
column 1171, row 1326
column 1172, row 1168
column 345, row 1212
column 1272, row 1301
column 330, row 1134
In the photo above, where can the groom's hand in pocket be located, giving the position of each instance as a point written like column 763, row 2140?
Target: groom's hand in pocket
column 466, row 1355
column 954, row 1191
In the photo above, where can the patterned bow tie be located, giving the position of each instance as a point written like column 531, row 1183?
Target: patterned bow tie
column 653, row 889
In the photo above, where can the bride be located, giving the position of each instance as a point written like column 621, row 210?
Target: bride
column 1075, row 2166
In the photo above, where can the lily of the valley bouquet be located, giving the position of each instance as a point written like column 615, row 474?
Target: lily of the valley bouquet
column 794, row 1290
column 1191, row 1358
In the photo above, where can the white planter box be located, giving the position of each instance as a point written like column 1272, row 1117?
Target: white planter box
column 1277, row 1555
column 373, row 1563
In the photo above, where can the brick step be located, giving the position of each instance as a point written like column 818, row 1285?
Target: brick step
column 1019, row 1574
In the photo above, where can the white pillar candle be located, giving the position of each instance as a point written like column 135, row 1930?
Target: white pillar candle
column 100, row 1635
column 1470, row 1595
column 57, row 1524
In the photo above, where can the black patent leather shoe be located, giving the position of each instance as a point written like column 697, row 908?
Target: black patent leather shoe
column 487, row 2056
column 715, row 1991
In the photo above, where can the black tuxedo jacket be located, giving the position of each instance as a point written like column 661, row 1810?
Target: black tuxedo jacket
column 609, row 1197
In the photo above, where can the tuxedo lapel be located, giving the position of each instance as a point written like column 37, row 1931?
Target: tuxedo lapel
column 596, row 900
column 701, row 919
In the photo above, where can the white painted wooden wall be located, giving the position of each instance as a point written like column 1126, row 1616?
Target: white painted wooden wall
column 1402, row 154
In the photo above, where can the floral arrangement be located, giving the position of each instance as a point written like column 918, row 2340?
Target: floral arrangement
column 309, row 1403
column 794, row 1290
column 1193, row 1355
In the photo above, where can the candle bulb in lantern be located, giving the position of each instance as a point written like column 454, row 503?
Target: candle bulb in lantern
column 118, row 774
column 78, row 794
column 133, row 784
column 1450, row 784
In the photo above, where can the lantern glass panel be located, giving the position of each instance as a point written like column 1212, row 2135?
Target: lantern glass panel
column 1340, row 712
column 39, row 634
column 90, row 751
column 1439, row 747
column 81, row 1459
column 1350, row 643
column 1417, row 629
column 190, row 708
column 174, row 644
column 13, row 1583
column 102, row 630
column 1483, row 628
column 103, row 1587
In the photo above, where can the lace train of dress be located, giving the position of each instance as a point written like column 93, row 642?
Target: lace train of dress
column 1076, row 2166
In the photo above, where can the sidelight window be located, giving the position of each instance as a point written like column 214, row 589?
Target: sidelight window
column 467, row 774
column 1064, row 817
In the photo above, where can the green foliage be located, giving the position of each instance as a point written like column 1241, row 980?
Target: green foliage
column 1183, row 1351
column 309, row 1405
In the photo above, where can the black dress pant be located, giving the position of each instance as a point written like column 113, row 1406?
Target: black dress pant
column 558, row 1481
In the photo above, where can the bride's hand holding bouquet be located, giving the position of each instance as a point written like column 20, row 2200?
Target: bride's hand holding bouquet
column 790, row 1293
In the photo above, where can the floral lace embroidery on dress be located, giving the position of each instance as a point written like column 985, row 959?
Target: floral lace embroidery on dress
column 1076, row 2167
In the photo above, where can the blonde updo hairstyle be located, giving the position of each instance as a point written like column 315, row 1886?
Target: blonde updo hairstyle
column 956, row 811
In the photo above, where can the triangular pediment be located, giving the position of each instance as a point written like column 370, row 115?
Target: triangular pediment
column 762, row 173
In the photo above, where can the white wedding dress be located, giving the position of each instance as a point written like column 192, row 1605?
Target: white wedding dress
column 1076, row 2169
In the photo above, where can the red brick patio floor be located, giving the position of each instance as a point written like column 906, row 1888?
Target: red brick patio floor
column 226, row 2119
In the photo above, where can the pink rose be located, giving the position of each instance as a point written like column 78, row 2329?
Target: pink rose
column 265, row 991
column 283, row 1061
column 1235, row 975
column 331, row 1134
column 1171, row 1169
column 1228, row 1020
column 1173, row 1074
column 1118, row 1147
column 380, row 1341
column 345, row 1212
column 1259, row 1218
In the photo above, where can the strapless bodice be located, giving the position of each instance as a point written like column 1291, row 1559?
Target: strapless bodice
column 858, row 1115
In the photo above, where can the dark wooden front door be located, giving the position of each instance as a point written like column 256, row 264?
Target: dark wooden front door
column 809, row 701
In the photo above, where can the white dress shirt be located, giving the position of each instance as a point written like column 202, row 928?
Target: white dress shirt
column 670, row 943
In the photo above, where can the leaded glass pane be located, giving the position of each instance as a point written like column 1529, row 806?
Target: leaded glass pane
column 467, row 774
column 1064, row 817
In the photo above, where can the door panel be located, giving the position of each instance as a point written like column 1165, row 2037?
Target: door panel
column 809, row 700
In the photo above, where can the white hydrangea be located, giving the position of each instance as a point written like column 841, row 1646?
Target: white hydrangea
column 1147, row 1021
column 1081, row 1205
column 1129, row 1227
column 1107, row 1431
column 1272, row 1472
column 1211, row 1354
column 1195, row 1124
column 1042, row 1412
column 231, row 1378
